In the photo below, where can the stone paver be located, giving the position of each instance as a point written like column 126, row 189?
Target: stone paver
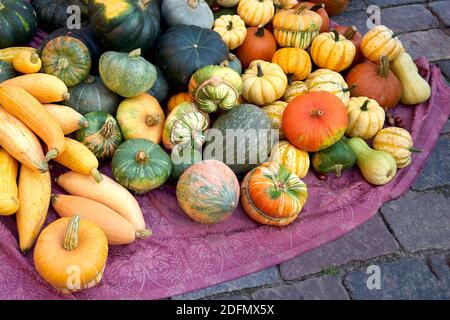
column 267, row 276
column 408, row 18
column 446, row 128
column 391, row 3
column 353, row 18
column 327, row 287
column 408, row 278
column 420, row 220
column 445, row 68
column 436, row 172
column 369, row 240
column 440, row 266
column 442, row 10
column 419, row 44
column 239, row 297
column 354, row 5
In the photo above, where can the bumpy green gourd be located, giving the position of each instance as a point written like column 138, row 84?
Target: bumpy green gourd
column 335, row 159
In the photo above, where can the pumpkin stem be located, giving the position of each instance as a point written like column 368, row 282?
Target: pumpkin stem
column 317, row 7
column 152, row 120
column 66, row 96
column 338, row 170
column 192, row 4
column 384, row 66
column 34, row 58
column 230, row 25
column 62, row 64
column 280, row 185
column 412, row 149
column 317, row 113
column 90, row 79
column 260, row 71
column 108, row 128
column 350, row 32
column 141, row 157
column 96, row 175
column 135, row 53
column 299, row 9
column 336, row 35
column 51, row 154
column 350, row 88
column 143, row 3
column 364, row 106
column 84, row 123
column 145, row 233
column 260, row 31
column 70, row 241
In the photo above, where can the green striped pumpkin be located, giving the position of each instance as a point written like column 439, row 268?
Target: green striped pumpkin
column 141, row 165
column 18, row 23
column 102, row 136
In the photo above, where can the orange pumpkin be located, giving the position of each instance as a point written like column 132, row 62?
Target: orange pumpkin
column 178, row 98
column 272, row 195
column 259, row 44
column 314, row 121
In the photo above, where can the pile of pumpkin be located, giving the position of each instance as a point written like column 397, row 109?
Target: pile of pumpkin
column 91, row 97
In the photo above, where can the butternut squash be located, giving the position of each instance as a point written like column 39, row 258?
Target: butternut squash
column 8, row 54
column 9, row 199
column 80, row 159
column 44, row 87
column 415, row 88
column 68, row 119
column 107, row 192
column 27, row 62
column 21, row 143
column 117, row 229
column 34, row 199
column 26, row 108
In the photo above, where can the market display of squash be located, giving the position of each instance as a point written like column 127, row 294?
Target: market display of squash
column 179, row 98
column 6, row 71
column 141, row 117
column 293, row 159
column 187, row 12
column 329, row 81
column 335, row 158
column 102, row 135
column 397, row 142
column 128, row 75
column 375, row 81
column 275, row 111
column 295, row 89
column 315, row 121
column 272, row 195
column 26, row 62
column 295, row 62
column 231, row 29
column 259, row 44
column 215, row 87
column 256, row 12
column 68, row 119
column 264, row 82
column 92, row 95
column 415, row 88
column 18, row 21
column 208, row 192
column 84, row 245
column 332, row 51
column 365, row 118
column 296, row 27
column 381, row 41
column 9, row 195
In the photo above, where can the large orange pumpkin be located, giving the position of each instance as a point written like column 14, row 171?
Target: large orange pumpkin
column 314, row 121
column 375, row 81
column 272, row 195
column 259, row 44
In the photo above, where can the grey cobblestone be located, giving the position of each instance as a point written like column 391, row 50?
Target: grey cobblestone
column 408, row 18
column 419, row 44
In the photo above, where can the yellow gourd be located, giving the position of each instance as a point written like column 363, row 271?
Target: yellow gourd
column 415, row 88
column 295, row 62
column 293, row 159
column 27, row 62
column 275, row 112
column 232, row 30
column 365, row 118
column 9, row 199
column 256, row 12
column 330, row 81
column 295, row 89
column 381, row 41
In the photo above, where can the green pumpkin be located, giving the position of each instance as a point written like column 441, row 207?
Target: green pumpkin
column 18, row 23
column 335, row 159
column 102, row 136
column 68, row 59
column 52, row 14
column 184, row 49
column 127, row 74
column 242, row 138
column 6, row 71
column 183, row 159
column 141, row 165
column 232, row 62
column 160, row 89
column 125, row 25
column 92, row 95
column 215, row 87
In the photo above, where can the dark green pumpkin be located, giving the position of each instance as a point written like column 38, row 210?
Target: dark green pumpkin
column 68, row 59
column 160, row 89
column 18, row 23
column 335, row 159
column 52, row 14
column 141, row 165
column 184, row 49
column 102, row 136
column 125, row 25
column 127, row 74
column 6, row 71
column 183, row 159
column 93, row 95
column 250, row 142
column 232, row 62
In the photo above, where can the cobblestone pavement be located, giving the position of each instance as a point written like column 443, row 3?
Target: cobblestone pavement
column 408, row 241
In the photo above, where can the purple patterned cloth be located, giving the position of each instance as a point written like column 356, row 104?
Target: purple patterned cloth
column 184, row 255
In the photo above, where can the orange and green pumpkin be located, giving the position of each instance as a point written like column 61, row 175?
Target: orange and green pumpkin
column 102, row 136
column 208, row 191
column 272, row 195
